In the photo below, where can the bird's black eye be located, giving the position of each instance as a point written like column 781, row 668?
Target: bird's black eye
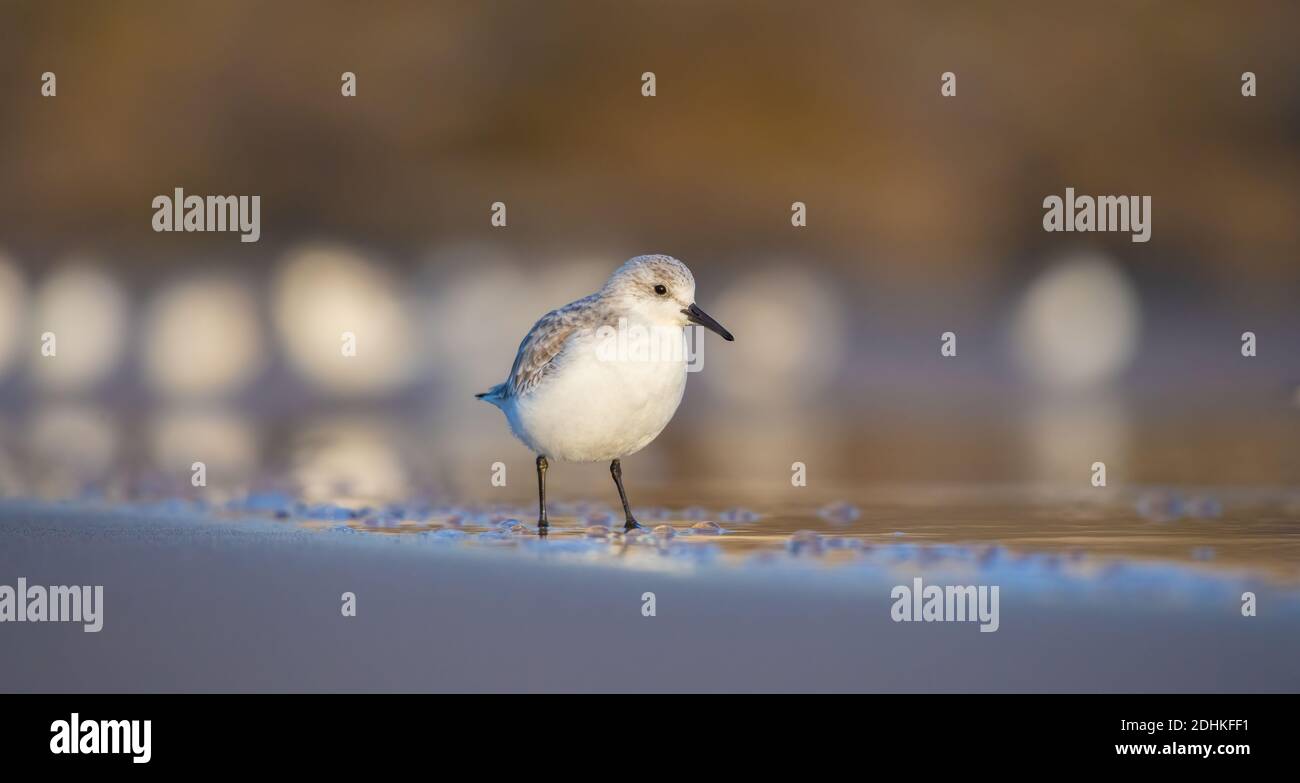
column 660, row 289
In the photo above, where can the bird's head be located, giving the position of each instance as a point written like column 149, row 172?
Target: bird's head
column 661, row 290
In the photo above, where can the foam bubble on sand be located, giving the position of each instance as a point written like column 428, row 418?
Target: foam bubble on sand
column 707, row 529
column 839, row 513
column 387, row 518
column 841, row 542
column 1203, row 507
column 990, row 555
column 805, row 542
column 1166, row 506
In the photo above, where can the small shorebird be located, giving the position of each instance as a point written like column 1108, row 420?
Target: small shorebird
column 600, row 378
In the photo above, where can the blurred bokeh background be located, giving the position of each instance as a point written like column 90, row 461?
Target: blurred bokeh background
column 924, row 217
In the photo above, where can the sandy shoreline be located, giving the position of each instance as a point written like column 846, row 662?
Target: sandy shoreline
column 194, row 604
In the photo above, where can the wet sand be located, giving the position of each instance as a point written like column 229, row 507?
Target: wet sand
column 233, row 599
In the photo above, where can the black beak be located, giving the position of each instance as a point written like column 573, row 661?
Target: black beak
column 697, row 316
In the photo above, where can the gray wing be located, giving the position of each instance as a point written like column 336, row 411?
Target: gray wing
column 543, row 347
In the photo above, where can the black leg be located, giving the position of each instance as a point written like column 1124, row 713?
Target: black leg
column 542, row 524
column 616, row 470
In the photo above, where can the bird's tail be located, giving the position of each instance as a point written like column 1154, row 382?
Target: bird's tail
column 494, row 395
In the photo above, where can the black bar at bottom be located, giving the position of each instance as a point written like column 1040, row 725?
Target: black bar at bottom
column 333, row 732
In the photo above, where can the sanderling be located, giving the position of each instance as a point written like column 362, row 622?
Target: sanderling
column 576, row 394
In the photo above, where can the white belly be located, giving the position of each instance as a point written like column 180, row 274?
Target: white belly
column 597, row 409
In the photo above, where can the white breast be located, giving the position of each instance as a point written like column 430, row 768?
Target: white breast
column 597, row 406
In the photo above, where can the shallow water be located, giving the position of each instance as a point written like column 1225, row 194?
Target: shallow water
column 1132, row 591
column 1253, row 533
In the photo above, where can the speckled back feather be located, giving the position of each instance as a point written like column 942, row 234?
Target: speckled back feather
column 542, row 348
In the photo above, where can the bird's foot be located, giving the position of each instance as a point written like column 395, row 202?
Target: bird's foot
column 542, row 527
column 632, row 524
